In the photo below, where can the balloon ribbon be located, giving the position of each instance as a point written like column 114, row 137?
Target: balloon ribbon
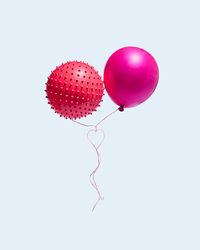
column 92, row 175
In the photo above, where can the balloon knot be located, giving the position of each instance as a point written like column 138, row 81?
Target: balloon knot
column 121, row 108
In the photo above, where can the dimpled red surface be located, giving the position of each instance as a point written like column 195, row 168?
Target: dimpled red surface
column 74, row 89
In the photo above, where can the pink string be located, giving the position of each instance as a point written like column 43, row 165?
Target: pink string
column 92, row 175
column 90, row 125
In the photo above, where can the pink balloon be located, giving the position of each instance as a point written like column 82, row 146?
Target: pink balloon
column 130, row 76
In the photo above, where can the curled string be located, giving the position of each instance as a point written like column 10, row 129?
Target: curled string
column 92, row 175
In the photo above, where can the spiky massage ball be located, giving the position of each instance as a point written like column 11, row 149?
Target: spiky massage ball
column 74, row 89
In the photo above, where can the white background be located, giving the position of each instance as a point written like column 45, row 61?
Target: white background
column 149, row 176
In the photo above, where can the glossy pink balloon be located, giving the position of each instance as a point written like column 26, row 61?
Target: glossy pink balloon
column 130, row 76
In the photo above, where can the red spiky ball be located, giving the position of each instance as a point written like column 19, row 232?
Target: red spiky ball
column 74, row 89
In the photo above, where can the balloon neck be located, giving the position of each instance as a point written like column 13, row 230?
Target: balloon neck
column 121, row 108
